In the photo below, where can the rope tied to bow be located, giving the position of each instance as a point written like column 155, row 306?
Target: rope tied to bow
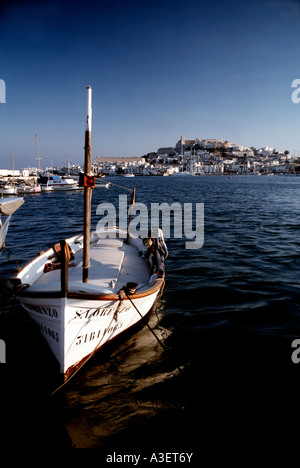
column 128, row 291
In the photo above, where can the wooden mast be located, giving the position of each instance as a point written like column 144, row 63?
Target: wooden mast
column 87, row 189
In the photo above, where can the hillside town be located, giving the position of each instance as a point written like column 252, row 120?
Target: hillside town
column 203, row 157
column 188, row 157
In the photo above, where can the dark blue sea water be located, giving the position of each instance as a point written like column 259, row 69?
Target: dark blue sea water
column 228, row 316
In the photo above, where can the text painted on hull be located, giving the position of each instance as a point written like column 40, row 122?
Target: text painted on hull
column 100, row 312
column 81, row 339
column 49, row 311
column 48, row 331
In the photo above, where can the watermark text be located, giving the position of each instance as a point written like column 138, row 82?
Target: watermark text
column 2, row 92
column 296, row 354
column 175, row 220
column 296, row 92
column 155, row 457
column 2, row 352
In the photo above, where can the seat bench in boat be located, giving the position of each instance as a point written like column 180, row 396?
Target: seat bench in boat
column 112, row 264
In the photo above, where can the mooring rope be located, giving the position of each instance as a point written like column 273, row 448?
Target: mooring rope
column 120, row 186
column 143, row 318
column 127, row 293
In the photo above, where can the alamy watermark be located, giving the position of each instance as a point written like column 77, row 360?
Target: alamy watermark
column 2, row 352
column 296, row 94
column 175, row 220
column 295, row 356
column 2, row 92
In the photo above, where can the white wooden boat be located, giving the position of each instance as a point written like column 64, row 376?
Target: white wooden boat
column 86, row 290
column 7, row 207
column 78, row 319
column 8, row 189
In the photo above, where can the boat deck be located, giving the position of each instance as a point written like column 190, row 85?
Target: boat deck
column 113, row 263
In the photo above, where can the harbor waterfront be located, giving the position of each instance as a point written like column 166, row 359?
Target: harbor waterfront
column 228, row 317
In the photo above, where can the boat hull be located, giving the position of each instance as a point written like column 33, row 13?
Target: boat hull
column 57, row 183
column 75, row 331
column 8, row 191
column 28, row 189
column 79, row 321
column 63, row 187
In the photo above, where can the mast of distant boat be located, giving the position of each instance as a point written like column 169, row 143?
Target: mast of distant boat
column 13, row 169
column 87, row 189
column 38, row 155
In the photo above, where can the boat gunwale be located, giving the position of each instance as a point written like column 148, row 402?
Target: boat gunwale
column 14, row 285
column 91, row 296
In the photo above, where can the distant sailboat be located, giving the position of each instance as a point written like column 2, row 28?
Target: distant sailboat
column 9, row 188
column 38, row 154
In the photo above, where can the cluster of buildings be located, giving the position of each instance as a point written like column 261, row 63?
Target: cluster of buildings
column 194, row 156
column 202, row 157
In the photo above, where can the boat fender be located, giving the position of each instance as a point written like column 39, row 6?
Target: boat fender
column 158, row 265
column 58, row 252
column 153, row 278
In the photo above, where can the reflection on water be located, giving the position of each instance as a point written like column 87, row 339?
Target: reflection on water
column 116, row 386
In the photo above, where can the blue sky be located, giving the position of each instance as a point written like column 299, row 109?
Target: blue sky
column 158, row 70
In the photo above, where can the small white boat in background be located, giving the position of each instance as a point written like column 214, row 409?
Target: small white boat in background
column 8, row 189
column 57, row 183
column 7, row 207
column 101, row 184
column 180, row 174
column 128, row 173
column 24, row 188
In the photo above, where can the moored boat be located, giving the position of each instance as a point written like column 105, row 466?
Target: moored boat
column 87, row 289
column 79, row 318
column 57, row 183
column 24, row 188
column 7, row 208
column 8, row 189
